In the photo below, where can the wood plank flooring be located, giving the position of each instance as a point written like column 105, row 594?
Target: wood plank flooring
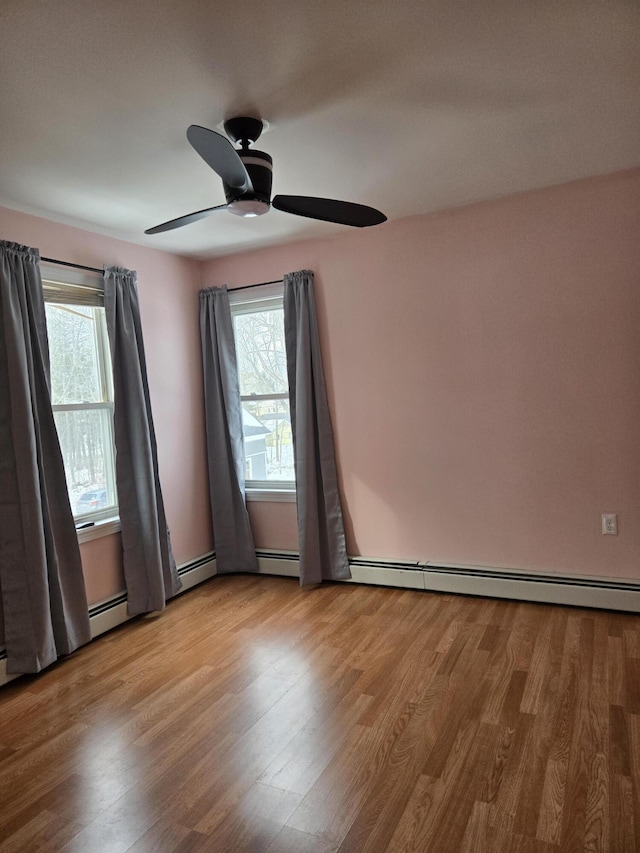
column 255, row 716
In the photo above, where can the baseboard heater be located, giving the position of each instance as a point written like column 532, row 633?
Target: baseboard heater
column 574, row 590
column 113, row 612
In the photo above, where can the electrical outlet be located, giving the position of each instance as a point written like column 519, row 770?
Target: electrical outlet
column 609, row 524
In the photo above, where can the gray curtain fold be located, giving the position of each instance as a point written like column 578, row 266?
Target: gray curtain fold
column 149, row 567
column 42, row 589
column 323, row 552
column 235, row 551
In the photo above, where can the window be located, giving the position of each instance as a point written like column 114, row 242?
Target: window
column 258, row 326
column 82, row 392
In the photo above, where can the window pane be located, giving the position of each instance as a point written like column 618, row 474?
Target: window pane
column 268, row 444
column 73, row 347
column 87, row 448
column 262, row 360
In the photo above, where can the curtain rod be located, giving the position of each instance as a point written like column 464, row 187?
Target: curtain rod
column 94, row 269
column 259, row 284
column 68, row 264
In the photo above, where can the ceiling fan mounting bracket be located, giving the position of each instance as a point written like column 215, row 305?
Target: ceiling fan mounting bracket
column 244, row 130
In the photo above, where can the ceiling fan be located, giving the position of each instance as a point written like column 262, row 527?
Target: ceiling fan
column 246, row 177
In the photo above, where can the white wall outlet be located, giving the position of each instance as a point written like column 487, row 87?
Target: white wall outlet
column 609, row 524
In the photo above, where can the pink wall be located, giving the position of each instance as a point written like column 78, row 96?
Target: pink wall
column 102, row 566
column 483, row 369
column 168, row 287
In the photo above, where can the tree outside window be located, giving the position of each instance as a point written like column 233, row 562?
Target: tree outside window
column 82, row 401
column 262, row 368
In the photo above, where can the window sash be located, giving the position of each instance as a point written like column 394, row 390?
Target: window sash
column 79, row 407
column 273, row 484
column 71, row 287
column 104, row 358
column 278, row 486
column 108, row 444
column 270, row 297
column 248, row 398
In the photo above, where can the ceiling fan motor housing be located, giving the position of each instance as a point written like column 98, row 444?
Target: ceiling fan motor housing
column 259, row 165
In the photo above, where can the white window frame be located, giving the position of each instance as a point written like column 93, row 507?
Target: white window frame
column 263, row 298
column 89, row 290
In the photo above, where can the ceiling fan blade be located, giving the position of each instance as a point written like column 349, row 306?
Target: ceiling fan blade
column 329, row 210
column 219, row 153
column 184, row 220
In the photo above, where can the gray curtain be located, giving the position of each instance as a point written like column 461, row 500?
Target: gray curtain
column 235, row 551
column 149, row 568
column 41, row 583
column 323, row 553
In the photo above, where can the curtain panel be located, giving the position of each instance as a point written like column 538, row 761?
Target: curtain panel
column 323, row 553
column 235, row 550
column 42, row 591
column 149, row 567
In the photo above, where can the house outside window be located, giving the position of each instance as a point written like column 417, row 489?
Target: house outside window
column 258, row 324
column 82, row 392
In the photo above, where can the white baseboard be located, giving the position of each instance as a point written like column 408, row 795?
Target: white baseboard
column 385, row 576
column 112, row 612
column 572, row 590
column 374, row 572
column 196, row 571
column 281, row 563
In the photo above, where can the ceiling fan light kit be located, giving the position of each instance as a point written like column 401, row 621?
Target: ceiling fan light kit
column 247, row 177
column 257, row 201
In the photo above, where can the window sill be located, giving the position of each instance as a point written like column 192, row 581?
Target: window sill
column 279, row 495
column 104, row 527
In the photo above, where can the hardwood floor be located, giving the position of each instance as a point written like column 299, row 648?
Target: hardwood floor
column 253, row 716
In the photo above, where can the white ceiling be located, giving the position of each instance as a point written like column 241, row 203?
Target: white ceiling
column 408, row 106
